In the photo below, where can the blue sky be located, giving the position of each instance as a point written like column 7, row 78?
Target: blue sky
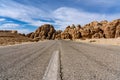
column 26, row 15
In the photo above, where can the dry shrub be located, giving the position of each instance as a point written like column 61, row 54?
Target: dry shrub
column 92, row 41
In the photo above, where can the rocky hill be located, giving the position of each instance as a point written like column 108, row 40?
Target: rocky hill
column 12, row 37
column 44, row 32
column 103, row 29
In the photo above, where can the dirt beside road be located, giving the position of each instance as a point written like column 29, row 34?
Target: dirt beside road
column 114, row 41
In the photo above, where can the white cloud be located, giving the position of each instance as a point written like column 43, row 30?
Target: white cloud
column 19, row 11
column 9, row 26
column 65, row 16
column 26, row 31
column 38, row 23
column 2, row 19
column 13, row 26
column 62, row 16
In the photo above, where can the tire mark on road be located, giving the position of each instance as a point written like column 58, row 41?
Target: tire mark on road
column 103, row 65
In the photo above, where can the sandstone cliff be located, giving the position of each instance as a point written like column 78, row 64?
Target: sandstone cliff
column 103, row 29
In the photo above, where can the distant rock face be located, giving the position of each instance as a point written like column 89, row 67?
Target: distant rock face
column 14, row 32
column 71, row 32
column 65, row 36
column 57, row 35
column 90, row 29
column 103, row 29
column 117, row 33
column 45, row 31
column 12, row 37
column 111, row 30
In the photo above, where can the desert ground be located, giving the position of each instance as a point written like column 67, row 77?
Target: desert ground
column 10, row 37
column 102, row 41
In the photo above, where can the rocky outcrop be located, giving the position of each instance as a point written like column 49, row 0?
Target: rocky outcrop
column 117, row 33
column 103, row 29
column 57, row 35
column 45, row 31
column 14, row 32
column 71, row 32
column 12, row 37
column 111, row 30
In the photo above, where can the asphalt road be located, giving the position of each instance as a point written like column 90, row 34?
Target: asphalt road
column 77, row 61
column 82, row 61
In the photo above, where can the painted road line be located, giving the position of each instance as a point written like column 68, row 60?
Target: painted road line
column 53, row 70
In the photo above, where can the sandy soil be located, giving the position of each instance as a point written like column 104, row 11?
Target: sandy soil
column 101, row 41
column 18, row 43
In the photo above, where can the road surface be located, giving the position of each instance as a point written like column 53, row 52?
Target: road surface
column 75, row 61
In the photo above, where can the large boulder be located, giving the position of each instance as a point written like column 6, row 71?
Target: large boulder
column 66, row 36
column 57, row 34
column 111, row 28
column 85, row 33
column 98, row 35
column 117, row 33
column 93, row 30
column 73, row 31
column 45, row 31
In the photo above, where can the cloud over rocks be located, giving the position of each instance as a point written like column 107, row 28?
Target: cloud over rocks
column 60, row 16
column 65, row 16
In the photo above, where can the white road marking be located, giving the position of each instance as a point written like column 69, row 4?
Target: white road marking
column 52, row 71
